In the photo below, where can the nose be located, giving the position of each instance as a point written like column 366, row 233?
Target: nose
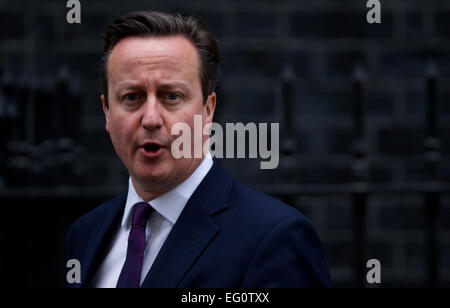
column 151, row 117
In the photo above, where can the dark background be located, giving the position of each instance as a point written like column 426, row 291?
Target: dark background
column 57, row 161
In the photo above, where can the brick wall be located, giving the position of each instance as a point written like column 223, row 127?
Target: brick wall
column 323, row 40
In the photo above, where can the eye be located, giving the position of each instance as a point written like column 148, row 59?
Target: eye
column 171, row 97
column 130, row 98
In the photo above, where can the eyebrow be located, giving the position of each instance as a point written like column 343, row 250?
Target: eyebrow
column 128, row 85
column 163, row 86
column 172, row 85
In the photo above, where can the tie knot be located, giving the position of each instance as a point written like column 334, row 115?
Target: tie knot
column 141, row 212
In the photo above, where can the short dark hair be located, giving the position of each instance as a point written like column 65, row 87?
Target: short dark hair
column 158, row 24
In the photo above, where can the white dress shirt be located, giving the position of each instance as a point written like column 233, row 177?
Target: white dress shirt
column 167, row 209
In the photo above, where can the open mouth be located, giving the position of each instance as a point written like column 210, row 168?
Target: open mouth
column 151, row 148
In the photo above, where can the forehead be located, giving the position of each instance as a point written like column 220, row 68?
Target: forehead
column 166, row 57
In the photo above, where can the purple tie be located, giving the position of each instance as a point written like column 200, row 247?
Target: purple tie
column 130, row 277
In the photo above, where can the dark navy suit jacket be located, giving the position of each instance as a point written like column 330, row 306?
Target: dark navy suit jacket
column 228, row 235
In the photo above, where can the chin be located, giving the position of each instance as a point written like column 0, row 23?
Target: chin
column 153, row 174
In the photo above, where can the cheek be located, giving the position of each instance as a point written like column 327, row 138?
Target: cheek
column 120, row 129
column 185, row 118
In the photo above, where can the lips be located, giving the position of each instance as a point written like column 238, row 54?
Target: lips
column 151, row 149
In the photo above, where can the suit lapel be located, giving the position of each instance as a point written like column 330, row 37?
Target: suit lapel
column 192, row 232
column 101, row 237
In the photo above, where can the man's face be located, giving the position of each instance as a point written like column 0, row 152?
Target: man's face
column 154, row 83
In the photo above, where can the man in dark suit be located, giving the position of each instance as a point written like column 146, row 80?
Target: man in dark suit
column 184, row 222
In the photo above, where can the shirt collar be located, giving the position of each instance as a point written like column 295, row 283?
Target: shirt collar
column 171, row 204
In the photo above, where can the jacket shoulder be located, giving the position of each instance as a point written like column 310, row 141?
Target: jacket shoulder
column 262, row 206
column 288, row 250
column 89, row 220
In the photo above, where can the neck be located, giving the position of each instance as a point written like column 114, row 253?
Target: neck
column 149, row 191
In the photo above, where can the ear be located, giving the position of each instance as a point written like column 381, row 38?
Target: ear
column 105, row 111
column 209, row 108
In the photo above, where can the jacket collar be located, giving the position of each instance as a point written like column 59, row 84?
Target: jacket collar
column 193, row 231
column 191, row 234
column 101, row 237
